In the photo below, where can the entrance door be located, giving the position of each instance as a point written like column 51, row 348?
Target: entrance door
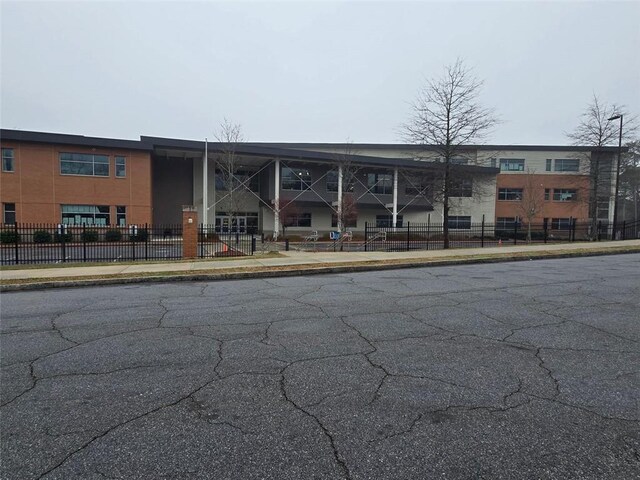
column 226, row 224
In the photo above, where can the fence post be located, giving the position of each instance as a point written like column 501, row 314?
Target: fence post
column 366, row 236
column 428, row 228
column 482, row 233
column 146, row 241
column 573, row 230
column 84, row 242
column 63, row 245
column 599, row 227
column 408, row 234
column 545, row 227
column 286, row 244
column 253, row 244
column 624, row 230
column 16, row 240
column 515, row 232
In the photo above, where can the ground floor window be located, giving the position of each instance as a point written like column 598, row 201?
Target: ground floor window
column 386, row 221
column 561, row 223
column 121, row 216
column 8, row 213
column 351, row 222
column 85, row 215
column 506, row 222
column 298, row 220
column 460, row 222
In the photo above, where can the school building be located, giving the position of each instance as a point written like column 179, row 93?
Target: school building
column 261, row 187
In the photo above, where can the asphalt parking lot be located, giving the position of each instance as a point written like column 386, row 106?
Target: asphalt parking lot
column 509, row 370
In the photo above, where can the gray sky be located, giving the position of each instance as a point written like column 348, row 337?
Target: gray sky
column 307, row 71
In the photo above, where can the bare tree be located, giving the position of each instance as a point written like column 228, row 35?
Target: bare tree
column 595, row 130
column 347, row 210
column 289, row 212
column 446, row 119
column 532, row 201
column 229, row 136
column 630, row 180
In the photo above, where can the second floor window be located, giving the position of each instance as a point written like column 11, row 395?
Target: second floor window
column 564, row 195
column 121, row 167
column 296, row 179
column 380, row 183
column 509, row 194
column 461, row 188
column 332, row 181
column 512, row 165
column 567, row 165
column 7, row 160
column 84, row 164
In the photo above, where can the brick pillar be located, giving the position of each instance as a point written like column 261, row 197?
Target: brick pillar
column 189, row 232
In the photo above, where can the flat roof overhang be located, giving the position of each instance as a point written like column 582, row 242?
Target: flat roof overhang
column 179, row 147
column 80, row 140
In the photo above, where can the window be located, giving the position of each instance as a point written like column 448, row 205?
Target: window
column 567, row 165
column 296, row 179
column 461, row 187
column 350, row 222
column 241, row 180
column 509, row 194
column 419, row 189
column 85, row 215
column 84, row 164
column 386, row 221
column 459, row 160
column 459, row 222
column 7, row 160
column 503, row 223
column 380, row 183
column 547, row 193
column 561, row 223
column 564, row 195
column 121, row 216
column 121, row 167
column 332, row 182
column 9, row 213
column 493, row 163
column 298, row 220
column 512, row 165
column 548, row 168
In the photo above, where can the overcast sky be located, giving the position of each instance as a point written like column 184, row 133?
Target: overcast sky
column 307, row 71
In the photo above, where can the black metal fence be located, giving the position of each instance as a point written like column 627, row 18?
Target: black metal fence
column 46, row 243
column 427, row 236
column 216, row 244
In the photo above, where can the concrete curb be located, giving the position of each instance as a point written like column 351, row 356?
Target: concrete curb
column 299, row 270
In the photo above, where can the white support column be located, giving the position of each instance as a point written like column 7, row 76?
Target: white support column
column 340, row 175
column 276, row 206
column 395, row 197
column 205, row 185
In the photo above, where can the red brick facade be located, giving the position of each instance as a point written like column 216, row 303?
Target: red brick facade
column 38, row 189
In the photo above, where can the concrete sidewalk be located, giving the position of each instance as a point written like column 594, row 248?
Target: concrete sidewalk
column 297, row 263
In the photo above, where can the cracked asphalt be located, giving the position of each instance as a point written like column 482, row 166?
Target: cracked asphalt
column 509, row 370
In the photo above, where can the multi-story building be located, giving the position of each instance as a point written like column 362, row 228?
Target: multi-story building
column 74, row 179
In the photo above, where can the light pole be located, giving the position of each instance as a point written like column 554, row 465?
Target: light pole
column 615, row 199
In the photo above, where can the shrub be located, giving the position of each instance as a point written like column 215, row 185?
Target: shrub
column 113, row 235
column 41, row 236
column 66, row 237
column 9, row 236
column 141, row 236
column 90, row 236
